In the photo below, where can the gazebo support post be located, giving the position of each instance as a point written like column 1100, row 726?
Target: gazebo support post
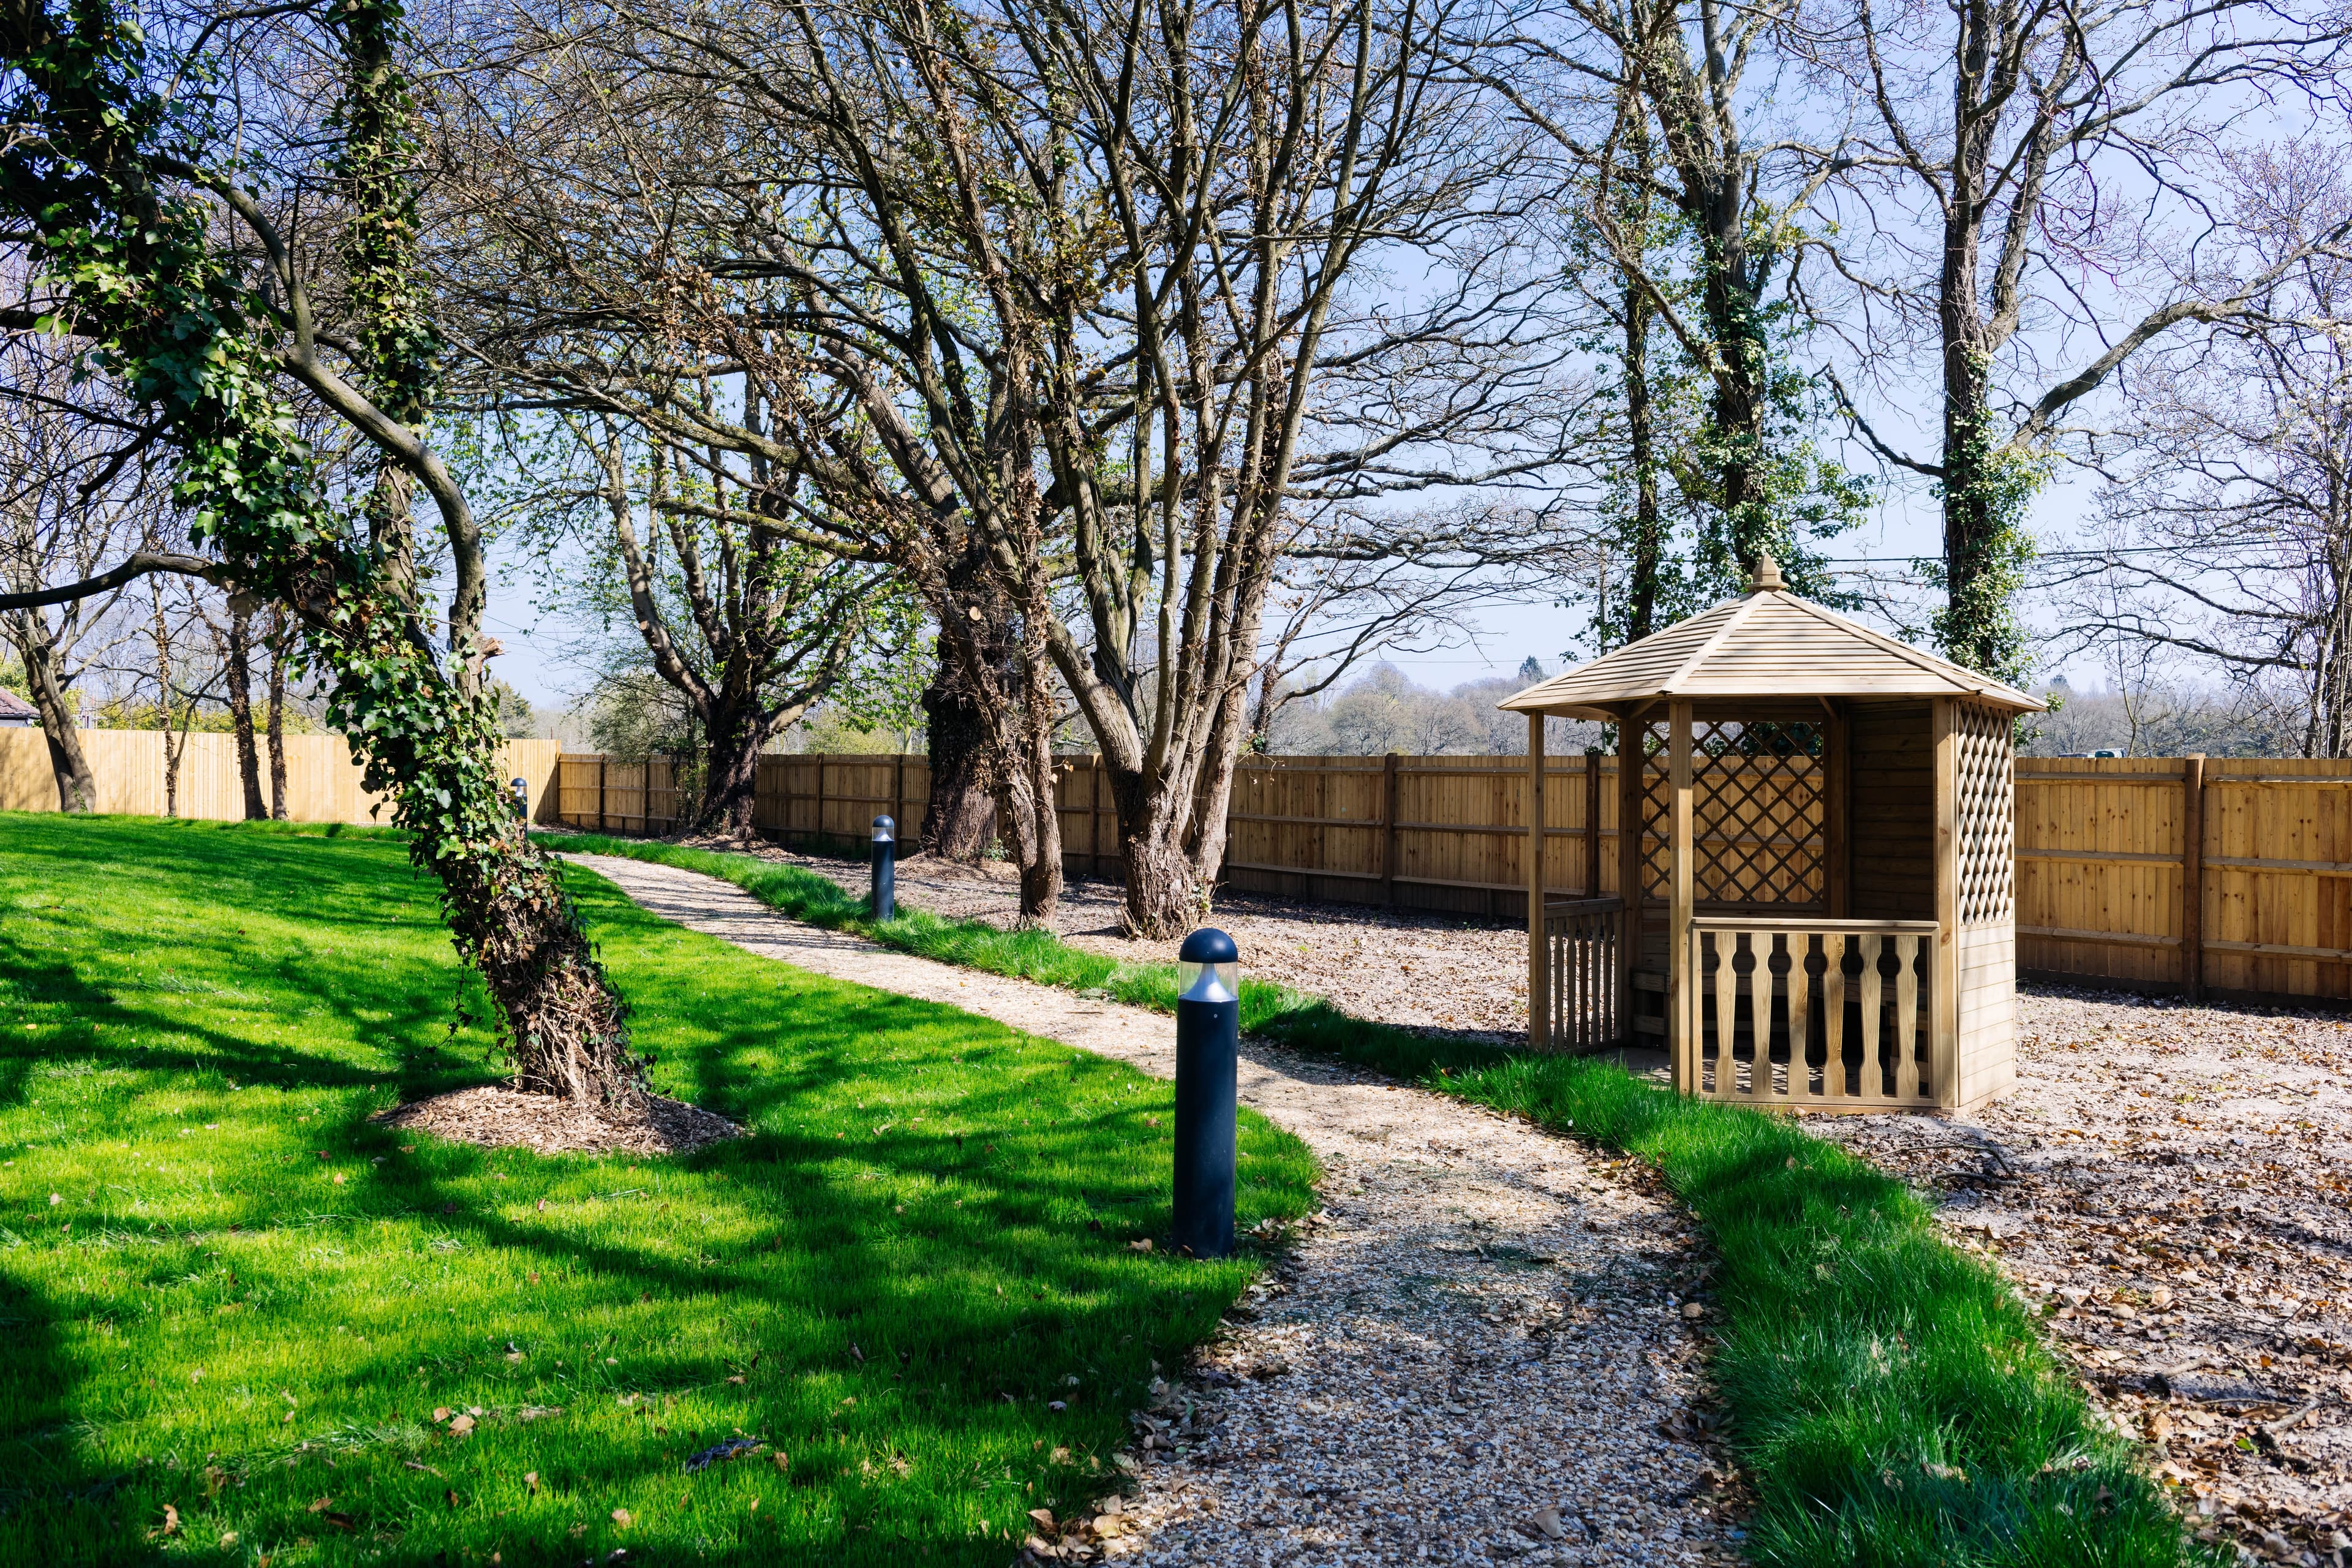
column 1682, row 984
column 1944, row 1052
column 1837, row 813
column 1630, row 764
column 1538, row 960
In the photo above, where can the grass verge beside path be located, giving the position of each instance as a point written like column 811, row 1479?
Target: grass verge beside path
column 1889, row 1398
column 234, row 1308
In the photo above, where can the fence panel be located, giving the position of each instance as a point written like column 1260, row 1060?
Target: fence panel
column 322, row 781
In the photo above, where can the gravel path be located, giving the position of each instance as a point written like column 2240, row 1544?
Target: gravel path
column 1480, row 1353
column 1403, row 966
column 2169, row 1183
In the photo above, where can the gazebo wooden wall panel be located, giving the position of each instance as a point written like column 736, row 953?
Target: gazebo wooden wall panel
column 1984, row 904
column 1893, row 769
column 1759, row 839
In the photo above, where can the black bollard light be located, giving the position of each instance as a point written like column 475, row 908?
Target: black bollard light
column 523, row 798
column 1208, row 1046
column 885, row 869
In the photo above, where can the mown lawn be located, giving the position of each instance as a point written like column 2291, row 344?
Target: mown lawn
column 235, row 1313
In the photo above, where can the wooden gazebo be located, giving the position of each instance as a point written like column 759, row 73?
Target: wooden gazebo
column 1816, row 900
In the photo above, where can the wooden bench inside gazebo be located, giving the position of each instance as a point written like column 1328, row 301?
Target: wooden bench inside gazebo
column 1817, row 900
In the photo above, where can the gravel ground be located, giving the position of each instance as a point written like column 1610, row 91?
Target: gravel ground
column 1486, row 1349
column 2168, row 1183
column 1440, row 971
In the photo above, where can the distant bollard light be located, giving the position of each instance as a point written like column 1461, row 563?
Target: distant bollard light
column 523, row 798
column 1208, row 1048
column 885, row 869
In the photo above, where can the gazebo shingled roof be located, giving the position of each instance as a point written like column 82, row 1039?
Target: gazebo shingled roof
column 1767, row 643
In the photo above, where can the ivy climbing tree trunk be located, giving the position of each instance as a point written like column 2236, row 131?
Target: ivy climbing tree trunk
column 102, row 180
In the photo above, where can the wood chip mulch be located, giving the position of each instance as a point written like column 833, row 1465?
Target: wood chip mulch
column 2169, row 1185
column 500, row 1117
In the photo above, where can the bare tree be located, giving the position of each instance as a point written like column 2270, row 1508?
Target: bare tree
column 1036, row 307
column 2013, row 126
column 2225, row 533
column 750, row 628
column 75, row 494
column 232, row 638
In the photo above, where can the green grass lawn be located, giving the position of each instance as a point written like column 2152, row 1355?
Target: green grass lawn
column 232, row 1303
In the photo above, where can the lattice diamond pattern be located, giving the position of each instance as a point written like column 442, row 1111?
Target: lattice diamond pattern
column 1988, row 814
column 1756, row 812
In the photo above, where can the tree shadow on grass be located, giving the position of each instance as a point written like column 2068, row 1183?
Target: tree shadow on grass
column 889, row 1293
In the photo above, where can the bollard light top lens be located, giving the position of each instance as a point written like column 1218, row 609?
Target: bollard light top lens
column 1208, row 967
column 883, row 829
column 1208, row 945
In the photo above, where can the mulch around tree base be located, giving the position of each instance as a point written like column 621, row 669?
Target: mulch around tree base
column 499, row 1118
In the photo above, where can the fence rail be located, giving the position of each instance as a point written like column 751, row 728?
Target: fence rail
column 2228, row 877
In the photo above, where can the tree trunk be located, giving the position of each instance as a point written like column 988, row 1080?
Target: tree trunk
column 1737, row 409
column 1649, row 538
column 69, row 764
column 562, row 1024
column 1166, row 892
column 959, row 815
column 277, row 715
column 733, row 737
column 240, row 707
column 162, row 636
column 1028, row 815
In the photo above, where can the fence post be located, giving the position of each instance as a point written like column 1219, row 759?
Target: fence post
column 1388, row 829
column 898, row 788
column 2192, row 876
column 820, row 800
column 1591, row 822
column 603, row 762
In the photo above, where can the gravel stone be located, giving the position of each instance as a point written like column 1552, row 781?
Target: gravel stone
column 1485, row 1324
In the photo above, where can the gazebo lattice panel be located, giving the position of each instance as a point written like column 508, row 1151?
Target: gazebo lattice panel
column 1757, row 802
column 1987, row 822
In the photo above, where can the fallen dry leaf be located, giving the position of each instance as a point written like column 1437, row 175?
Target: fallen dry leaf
column 531, row 1480
column 621, row 1517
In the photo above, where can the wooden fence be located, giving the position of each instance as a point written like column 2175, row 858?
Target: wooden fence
column 2226, row 877
column 322, row 782
column 2202, row 876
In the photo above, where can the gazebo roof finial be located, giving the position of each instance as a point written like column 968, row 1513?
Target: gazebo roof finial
column 1767, row 575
